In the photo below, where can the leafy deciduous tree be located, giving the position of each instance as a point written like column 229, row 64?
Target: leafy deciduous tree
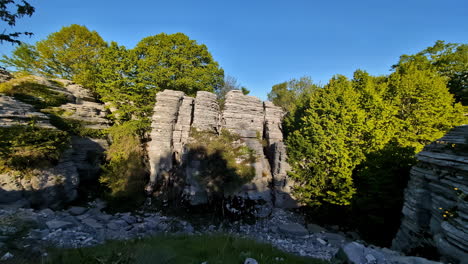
column 71, row 53
column 176, row 62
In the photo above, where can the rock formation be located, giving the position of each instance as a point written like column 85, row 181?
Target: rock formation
column 257, row 123
column 4, row 75
column 435, row 211
column 55, row 186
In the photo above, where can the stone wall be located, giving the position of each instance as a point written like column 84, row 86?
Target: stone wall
column 435, row 211
column 257, row 123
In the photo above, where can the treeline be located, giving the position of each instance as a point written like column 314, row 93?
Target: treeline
column 352, row 142
column 125, row 79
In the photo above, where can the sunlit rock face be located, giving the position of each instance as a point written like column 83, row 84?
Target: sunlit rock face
column 435, row 212
column 258, row 125
column 57, row 185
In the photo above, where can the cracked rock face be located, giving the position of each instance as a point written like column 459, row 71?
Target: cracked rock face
column 57, row 185
column 257, row 123
column 4, row 75
column 435, row 211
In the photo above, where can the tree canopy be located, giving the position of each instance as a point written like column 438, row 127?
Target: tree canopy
column 71, row 53
column 176, row 62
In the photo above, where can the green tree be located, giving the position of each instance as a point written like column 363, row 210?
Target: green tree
column 286, row 94
column 24, row 58
column 9, row 15
column 116, row 84
column 176, row 62
column 426, row 109
column 71, row 53
column 327, row 146
column 449, row 60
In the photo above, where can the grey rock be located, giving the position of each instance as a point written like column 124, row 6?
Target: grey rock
column 293, row 229
column 313, row 228
column 56, row 224
column 7, row 256
column 77, row 210
column 250, row 261
column 92, row 223
column 437, row 184
column 4, row 75
column 355, row 253
column 321, row 241
column 103, row 217
column 257, row 123
column 129, row 219
column 370, row 259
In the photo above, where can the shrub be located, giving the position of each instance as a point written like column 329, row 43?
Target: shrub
column 125, row 171
column 25, row 147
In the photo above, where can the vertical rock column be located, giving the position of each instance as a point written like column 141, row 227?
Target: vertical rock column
column 276, row 152
column 160, row 148
column 182, row 127
column 244, row 115
column 435, row 211
column 206, row 112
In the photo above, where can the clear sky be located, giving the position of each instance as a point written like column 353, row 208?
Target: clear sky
column 265, row 42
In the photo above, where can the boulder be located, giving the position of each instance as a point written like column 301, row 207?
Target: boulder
column 56, row 224
column 356, row 253
column 293, row 229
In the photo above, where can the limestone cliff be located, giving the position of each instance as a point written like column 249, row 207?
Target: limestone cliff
column 435, row 212
column 257, row 123
column 57, row 185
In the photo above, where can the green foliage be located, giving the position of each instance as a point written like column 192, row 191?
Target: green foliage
column 324, row 151
column 116, row 85
column 226, row 164
column 9, row 15
column 24, row 58
column 176, row 62
column 331, row 131
column 380, row 181
column 125, row 172
column 28, row 90
column 288, row 94
column 449, row 60
column 71, row 53
column 184, row 249
column 58, row 118
column 26, row 147
column 426, row 109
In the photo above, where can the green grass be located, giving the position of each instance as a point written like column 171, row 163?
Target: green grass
column 223, row 249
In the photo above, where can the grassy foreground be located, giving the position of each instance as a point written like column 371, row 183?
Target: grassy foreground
column 223, row 249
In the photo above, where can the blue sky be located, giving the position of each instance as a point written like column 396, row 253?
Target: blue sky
column 263, row 43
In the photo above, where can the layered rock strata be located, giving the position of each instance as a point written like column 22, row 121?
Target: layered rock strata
column 14, row 112
column 257, row 123
column 57, row 185
column 435, row 211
